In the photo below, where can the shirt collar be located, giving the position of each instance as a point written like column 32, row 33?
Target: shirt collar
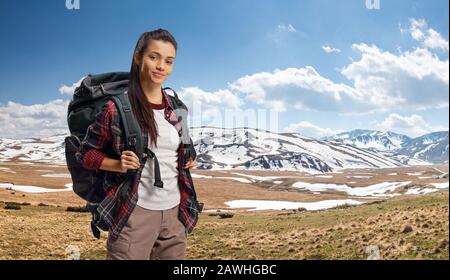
column 167, row 100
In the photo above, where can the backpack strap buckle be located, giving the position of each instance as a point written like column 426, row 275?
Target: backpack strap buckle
column 132, row 141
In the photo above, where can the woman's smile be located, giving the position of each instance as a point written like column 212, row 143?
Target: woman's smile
column 158, row 75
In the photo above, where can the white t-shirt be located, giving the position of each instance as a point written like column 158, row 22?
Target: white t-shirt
column 149, row 196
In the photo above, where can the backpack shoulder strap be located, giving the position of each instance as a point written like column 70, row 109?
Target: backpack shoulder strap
column 178, row 104
column 133, row 138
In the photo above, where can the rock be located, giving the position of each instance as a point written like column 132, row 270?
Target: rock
column 407, row 229
column 12, row 207
column 226, row 215
column 444, row 243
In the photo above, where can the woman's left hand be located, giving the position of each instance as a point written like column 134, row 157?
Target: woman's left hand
column 191, row 163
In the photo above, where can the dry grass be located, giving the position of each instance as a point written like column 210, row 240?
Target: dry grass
column 44, row 232
column 409, row 227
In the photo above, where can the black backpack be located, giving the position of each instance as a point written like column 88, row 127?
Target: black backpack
column 88, row 100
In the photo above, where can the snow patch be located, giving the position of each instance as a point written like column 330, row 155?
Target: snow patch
column 33, row 189
column 440, row 185
column 380, row 189
column 58, row 175
column 279, row 205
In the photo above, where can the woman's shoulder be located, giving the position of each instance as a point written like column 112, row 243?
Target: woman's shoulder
column 174, row 99
column 109, row 112
column 110, row 106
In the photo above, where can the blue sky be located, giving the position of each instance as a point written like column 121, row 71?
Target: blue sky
column 240, row 55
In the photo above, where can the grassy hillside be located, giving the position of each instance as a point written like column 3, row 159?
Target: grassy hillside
column 402, row 228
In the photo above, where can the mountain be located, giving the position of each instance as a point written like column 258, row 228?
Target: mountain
column 431, row 147
column 247, row 148
column 371, row 139
column 47, row 149
column 240, row 148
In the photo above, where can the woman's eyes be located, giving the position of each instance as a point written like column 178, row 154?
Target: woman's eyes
column 154, row 57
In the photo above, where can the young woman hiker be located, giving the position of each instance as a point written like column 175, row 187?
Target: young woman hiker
column 152, row 222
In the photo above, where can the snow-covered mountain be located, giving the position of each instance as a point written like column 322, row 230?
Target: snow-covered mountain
column 47, row 149
column 371, row 139
column 247, row 148
column 431, row 147
column 256, row 149
column 241, row 148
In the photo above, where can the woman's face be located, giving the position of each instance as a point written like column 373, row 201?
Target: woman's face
column 157, row 61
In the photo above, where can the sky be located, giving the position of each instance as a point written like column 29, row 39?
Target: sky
column 316, row 67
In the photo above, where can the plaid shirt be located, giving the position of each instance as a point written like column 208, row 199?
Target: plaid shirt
column 104, row 138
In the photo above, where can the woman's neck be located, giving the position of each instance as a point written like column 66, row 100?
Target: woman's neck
column 152, row 91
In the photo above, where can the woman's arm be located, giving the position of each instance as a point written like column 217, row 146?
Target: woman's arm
column 98, row 138
column 128, row 160
column 110, row 164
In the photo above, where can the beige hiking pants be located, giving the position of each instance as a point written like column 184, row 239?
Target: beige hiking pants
column 149, row 234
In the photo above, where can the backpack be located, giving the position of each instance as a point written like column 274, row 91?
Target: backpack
column 88, row 100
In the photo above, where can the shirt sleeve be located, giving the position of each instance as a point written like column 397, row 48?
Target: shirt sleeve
column 98, row 137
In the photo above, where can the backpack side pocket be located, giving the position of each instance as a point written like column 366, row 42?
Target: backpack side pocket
column 87, row 184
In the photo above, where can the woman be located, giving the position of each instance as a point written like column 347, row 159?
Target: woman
column 150, row 222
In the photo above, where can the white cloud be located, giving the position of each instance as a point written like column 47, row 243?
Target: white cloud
column 310, row 130
column 37, row 120
column 220, row 98
column 329, row 49
column 416, row 79
column 413, row 125
column 298, row 88
column 379, row 81
column 208, row 108
column 428, row 37
column 64, row 89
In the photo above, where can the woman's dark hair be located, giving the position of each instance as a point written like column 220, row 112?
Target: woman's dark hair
column 139, row 103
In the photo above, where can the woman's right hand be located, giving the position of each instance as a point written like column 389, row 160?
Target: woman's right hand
column 129, row 160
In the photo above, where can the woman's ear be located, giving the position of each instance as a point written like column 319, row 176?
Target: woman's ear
column 136, row 58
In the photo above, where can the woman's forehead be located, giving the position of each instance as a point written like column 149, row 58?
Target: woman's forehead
column 163, row 48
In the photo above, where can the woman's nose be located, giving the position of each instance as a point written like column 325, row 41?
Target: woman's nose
column 159, row 66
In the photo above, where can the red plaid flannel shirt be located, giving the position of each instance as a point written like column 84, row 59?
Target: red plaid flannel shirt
column 104, row 138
